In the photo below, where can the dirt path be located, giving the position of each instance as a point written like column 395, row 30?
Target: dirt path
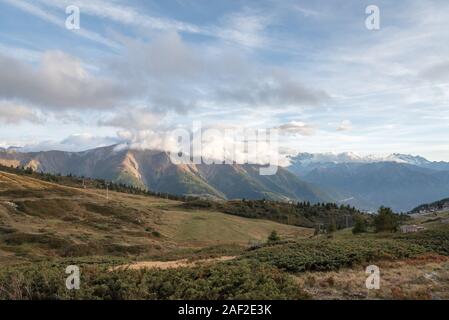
column 171, row 264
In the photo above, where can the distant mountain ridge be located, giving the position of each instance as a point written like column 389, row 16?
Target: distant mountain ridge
column 305, row 162
column 153, row 169
column 399, row 181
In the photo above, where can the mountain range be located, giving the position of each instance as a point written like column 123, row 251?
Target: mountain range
column 398, row 181
column 152, row 169
column 303, row 163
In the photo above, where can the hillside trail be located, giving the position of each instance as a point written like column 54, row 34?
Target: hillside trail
column 182, row 263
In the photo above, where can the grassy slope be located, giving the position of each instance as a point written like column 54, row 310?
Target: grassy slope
column 205, row 227
column 54, row 220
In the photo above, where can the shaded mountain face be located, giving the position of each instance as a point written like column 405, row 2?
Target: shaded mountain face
column 153, row 170
column 399, row 181
column 369, row 185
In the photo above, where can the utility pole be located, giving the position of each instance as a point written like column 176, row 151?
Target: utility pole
column 320, row 227
column 107, row 190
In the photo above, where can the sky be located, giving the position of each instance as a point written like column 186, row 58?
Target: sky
column 311, row 69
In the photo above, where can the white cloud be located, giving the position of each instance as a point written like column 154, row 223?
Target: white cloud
column 297, row 127
column 217, row 144
column 437, row 72
column 137, row 118
column 56, row 20
column 178, row 76
column 123, row 14
column 166, row 74
column 20, row 53
column 345, row 125
column 306, row 11
column 238, row 74
column 73, row 143
column 244, row 28
column 14, row 113
column 59, row 81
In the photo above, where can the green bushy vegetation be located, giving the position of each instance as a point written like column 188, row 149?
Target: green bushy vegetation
column 325, row 255
column 436, row 240
column 386, row 220
column 302, row 214
column 360, row 225
column 259, row 273
column 233, row 280
column 273, row 237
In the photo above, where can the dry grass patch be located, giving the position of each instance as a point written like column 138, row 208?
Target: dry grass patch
column 424, row 277
column 183, row 263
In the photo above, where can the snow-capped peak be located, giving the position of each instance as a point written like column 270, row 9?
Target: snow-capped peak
column 351, row 157
column 407, row 158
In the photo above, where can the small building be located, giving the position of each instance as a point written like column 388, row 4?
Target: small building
column 411, row 228
column 254, row 244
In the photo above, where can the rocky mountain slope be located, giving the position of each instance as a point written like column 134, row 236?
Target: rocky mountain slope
column 153, row 170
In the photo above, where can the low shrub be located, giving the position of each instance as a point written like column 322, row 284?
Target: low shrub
column 232, row 280
column 432, row 240
column 324, row 255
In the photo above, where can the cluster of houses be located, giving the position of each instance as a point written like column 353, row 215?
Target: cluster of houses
column 415, row 228
column 411, row 228
column 444, row 208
